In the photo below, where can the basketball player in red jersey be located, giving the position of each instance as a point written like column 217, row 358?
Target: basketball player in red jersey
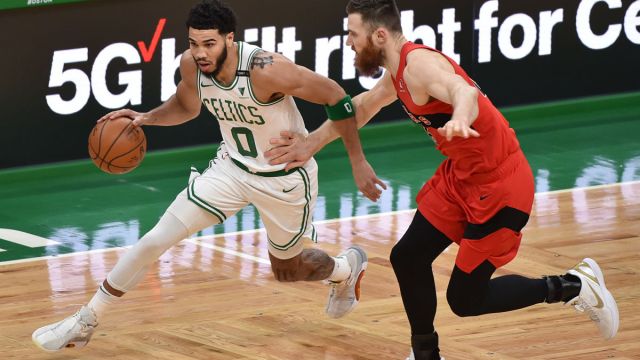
column 480, row 196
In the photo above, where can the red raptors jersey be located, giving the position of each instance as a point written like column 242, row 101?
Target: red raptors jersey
column 469, row 156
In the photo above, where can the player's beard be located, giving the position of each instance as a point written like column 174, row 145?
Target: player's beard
column 369, row 59
column 218, row 63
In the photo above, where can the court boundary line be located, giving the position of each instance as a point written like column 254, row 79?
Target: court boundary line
column 198, row 239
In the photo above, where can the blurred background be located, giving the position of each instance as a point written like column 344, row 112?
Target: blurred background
column 564, row 73
column 66, row 63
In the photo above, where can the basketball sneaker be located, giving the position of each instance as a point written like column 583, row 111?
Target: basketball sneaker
column 74, row 331
column 344, row 295
column 594, row 299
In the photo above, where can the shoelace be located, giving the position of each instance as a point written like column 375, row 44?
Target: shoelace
column 83, row 324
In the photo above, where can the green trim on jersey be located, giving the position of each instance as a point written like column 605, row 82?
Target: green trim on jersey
column 235, row 79
column 191, row 195
column 250, row 86
column 305, row 215
column 276, row 173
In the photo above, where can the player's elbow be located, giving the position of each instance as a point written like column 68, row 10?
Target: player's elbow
column 462, row 91
column 192, row 114
column 189, row 110
column 334, row 92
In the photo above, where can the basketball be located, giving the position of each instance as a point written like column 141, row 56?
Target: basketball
column 116, row 146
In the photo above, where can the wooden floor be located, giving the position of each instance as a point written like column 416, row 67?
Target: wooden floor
column 215, row 298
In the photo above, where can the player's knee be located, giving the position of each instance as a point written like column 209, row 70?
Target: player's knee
column 166, row 233
column 402, row 254
column 396, row 256
column 154, row 243
column 461, row 303
column 151, row 244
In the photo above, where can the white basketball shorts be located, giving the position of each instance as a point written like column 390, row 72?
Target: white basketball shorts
column 285, row 202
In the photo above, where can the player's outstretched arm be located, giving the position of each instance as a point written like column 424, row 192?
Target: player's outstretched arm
column 285, row 77
column 367, row 105
column 432, row 73
column 294, row 148
column 181, row 107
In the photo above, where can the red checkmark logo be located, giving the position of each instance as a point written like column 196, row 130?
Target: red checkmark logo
column 147, row 53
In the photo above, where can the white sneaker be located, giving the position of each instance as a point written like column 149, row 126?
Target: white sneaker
column 594, row 298
column 74, row 331
column 344, row 295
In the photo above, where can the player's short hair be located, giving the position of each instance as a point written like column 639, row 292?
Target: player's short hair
column 376, row 13
column 212, row 14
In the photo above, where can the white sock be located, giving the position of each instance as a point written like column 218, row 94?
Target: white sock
column 341, row 269
column 101, row 301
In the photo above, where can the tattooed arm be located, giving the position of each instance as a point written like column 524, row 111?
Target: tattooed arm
column 274, row 76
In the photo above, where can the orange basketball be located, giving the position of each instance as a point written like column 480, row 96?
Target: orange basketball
column 116, row 146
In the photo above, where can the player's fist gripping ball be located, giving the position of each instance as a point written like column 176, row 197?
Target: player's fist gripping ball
column 116, row 146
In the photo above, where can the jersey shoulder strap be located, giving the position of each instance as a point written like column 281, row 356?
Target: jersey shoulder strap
column 246, row 56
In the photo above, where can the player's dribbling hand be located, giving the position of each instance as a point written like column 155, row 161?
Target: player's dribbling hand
column 138, row 119
column 290, row 148
column 457, row 128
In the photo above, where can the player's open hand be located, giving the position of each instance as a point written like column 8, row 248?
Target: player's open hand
column 367, row 181
column 290, row 148
column 139, row 119
column 459, row 128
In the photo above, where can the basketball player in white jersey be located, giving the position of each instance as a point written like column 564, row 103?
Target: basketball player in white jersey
column 250, row 92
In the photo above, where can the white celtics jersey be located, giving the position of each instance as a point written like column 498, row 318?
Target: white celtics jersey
column 247, row 124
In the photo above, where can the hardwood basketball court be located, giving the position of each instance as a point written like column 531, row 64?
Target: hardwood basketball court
column 213, row 297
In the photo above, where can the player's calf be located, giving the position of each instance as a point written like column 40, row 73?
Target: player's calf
column 310, row 265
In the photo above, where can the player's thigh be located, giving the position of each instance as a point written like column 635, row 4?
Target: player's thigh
column 497, row 213
column 437, row 203
column 210, row 198
column 194, row 217
column 286, row 205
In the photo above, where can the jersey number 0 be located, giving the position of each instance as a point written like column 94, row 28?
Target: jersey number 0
column 248, row 146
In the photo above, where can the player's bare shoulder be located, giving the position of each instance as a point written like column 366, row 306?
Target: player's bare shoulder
column 266, row 65
column 271, row 74
column 425, row 68
column 425, row 61
column 188, row 68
